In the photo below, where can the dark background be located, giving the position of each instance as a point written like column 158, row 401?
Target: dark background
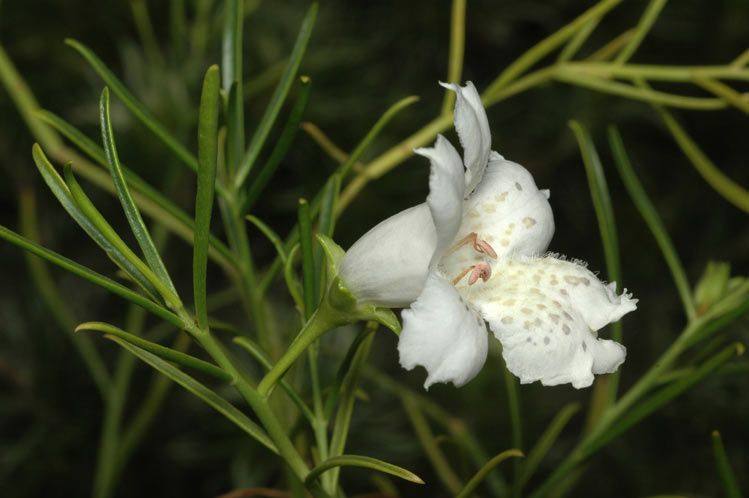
column 363, row 57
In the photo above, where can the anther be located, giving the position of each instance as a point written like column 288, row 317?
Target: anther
column 478, row 244
column 481, row 271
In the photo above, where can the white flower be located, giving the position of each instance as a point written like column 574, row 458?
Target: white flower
column 472, row 255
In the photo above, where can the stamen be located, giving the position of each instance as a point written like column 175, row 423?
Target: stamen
column 462, row 274
column 479, row 245
column 481, row 271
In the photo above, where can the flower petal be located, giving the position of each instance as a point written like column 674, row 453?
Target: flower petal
column 545, row 312
column 507, row 211
column 445, row 199
column 442, row 334
column 472, row 126
column 389, row 264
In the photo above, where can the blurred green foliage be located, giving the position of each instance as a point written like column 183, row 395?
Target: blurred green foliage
column 363, row 57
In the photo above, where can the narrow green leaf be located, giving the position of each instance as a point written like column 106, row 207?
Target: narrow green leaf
column 65, row 197
column 343, row 370
column 362, row 146
column 363, row 462
column 90, row 275
column 232, row 81
column 137, row 108
column 123, row 192
column 664, row 396
column 603, row 395
column 727, row 188
column 546, row 441
column 174, row 218
column 727, row 476
column 97, row 219
column 643, row 28
column 306, row 242
column 577, row 41
column 347, row 398
column 326, row 220
column 201, row 391
column 282, row 146
column 599, row 193
column 163, row 352
column 207, row 156
column 270, row 234
column 486, row 469
column 231, row 48
column 277, row 100
column 652, row 219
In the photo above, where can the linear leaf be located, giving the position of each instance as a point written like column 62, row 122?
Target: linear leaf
column 471, row 486
column 282, row 146
column 182, row 223
column 727, row 188
column 123, row 192
column 730, row 486
column 65, row 197
column 97, row 219
column 201, row 391
column 136, row 107
column 347, row 398
column 363, row 462
column 232, row 81
column 90, row 275
column 163, row 352
column 652, row 219
column 374, row 132
column 277, row 100
column 606, row 388
column 207, row 156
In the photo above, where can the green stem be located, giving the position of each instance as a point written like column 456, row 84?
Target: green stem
column 320, row 322
column 457, row 48
column 240, row 245
column 548, row 45
column 265, row 415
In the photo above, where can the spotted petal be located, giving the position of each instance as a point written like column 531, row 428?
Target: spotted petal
column 546, row 313
column 509, row 211
column 445, row 199
column 389, row 264
column 443, row 334
column 472, row 126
